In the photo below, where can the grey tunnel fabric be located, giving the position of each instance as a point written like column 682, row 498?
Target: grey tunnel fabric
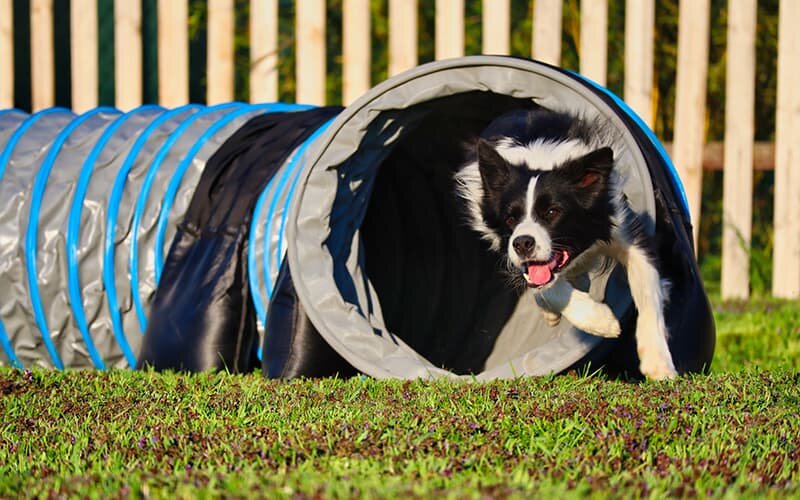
column 88, row 207
column 399, row 288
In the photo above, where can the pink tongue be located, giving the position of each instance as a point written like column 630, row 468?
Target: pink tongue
column 539, row 274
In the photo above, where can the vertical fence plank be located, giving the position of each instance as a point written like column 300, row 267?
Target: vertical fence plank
column 310, row 51
column 737, row 194
column 594, row 40
column 449, row 28
column 42, row 55
column 402, row 35
column 128, row 53
column 547, row 31
column 6, row 54
column 639, row 30
column 786, row 257
column 263, row 50
column 83, row 51
column 219, row 73
column 690, row 100
column 356, row 52
column 173, row 52
column 496, row 26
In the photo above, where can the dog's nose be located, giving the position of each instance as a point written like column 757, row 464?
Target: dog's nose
column 523, row 245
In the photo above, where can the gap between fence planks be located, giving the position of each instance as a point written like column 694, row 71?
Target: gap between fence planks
column 263, row 50
column 737, row 196
column 6, row 54
column 173, row 52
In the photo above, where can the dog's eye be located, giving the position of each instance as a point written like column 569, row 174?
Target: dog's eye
column 552, row 214
column 511, row 221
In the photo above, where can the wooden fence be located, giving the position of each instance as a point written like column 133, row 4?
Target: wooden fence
column 738, row 155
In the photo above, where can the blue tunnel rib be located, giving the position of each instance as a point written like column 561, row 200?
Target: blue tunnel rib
column 73, row 238
column 5, row 157
column 32, row 231
column 109, row 274
column 155, row 165
column 177, row 176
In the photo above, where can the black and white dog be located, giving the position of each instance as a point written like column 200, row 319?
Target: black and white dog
column 542, row 188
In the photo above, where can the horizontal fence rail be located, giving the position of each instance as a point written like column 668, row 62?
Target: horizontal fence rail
column 311, row 37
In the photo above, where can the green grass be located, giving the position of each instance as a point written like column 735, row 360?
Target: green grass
column 735, row 433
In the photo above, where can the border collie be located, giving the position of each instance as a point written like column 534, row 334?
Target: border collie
column 541, row 188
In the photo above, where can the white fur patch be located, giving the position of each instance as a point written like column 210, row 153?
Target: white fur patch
column 651, row 331
column 541, row 154
column 579, row 308
column 469, row 187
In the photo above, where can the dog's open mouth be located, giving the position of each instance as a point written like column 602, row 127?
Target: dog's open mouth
column 540, row 273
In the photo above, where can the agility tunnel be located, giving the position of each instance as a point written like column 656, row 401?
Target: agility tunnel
column 310, row 242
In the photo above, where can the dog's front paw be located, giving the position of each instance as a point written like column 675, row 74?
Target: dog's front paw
column 552, row 318
column 656, row 366
column 604, row 323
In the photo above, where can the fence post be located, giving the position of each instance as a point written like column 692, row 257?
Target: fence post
column 547, row 31
column 402, row 35
column 690, row 100
column 496, row 15
column 128, row 53
column 737, row 195
column 786, row 258
column 310, row 51
column 639, row 27
column 221, row 30
column 449, row 28
column 594, row 40
column 356, row 51
column 263, row 50
column 173, row 52
column 6, row 54
column 42, row 58
column 83, row 50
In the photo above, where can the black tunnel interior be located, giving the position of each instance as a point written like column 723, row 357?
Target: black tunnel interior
column 440, row 287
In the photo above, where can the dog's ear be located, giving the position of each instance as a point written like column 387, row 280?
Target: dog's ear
column 595, row 168
column 495, row 170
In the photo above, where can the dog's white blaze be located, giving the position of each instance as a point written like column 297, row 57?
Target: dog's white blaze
column 530, row 227
column 529, row 197
column 541, row 154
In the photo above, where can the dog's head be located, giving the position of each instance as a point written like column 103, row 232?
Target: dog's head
column 544, row 203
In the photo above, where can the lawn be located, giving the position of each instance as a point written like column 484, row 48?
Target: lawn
column 733, row 433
